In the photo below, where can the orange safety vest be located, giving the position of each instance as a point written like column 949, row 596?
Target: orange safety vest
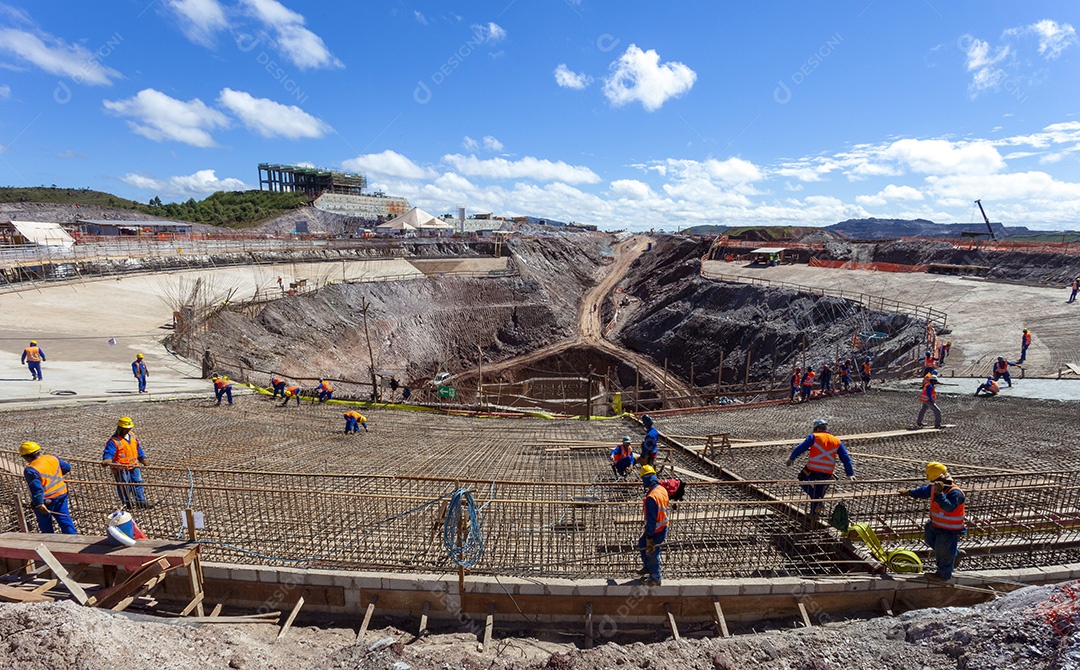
column 127, row 451
column 33, row 354
column 292, row 390
column 929, row 361
column 823, row 453
column 660, row 496
column 325, row 386
column 276, row 380
column 808, row 378
column 356, row 415
column 1027, row 339
column 221, row 383
column 928, row 394
column 1001, row 366
column 992, row 386
column 953, row 520
column 866, row 369
column 622, row 451
column 52, row 480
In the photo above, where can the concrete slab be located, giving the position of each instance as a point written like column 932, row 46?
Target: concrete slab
column 1035, row 389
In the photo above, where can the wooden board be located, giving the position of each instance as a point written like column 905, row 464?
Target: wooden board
column 845, row 438
column 14, row 595
column 1074, row 367
column 95, row 550
column 118, row 597
column 61, row 573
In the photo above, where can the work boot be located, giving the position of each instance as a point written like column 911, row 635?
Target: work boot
column 649, row 581
column 935, row 577
column 643, row 571
column 959, row 558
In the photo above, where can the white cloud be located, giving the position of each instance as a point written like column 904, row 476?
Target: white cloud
column 492, row 144
column 470, row 144
column 892, row 192
column 945, row 157
column 55, row 56
column 567, row 78
column 303, row 47
column 490, row 33
column 5, row 92
column 420, row 18
column 630, row 188
column 638, row 76
column 526, row 168
column 1053, row 37
column 202, row 183
column 200, row 20
column 159, row 117
column 984, row 62
column 390, row 164
column 732, row 171
column 272, row 119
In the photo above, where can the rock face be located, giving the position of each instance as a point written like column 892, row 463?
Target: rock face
column 686, row 320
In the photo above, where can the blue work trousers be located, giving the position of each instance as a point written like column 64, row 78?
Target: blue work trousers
column 223, row 393
column 129, row 486
column 352, row 425
column 651, row 562
column 943, row 542
column 1023, row 353
column 142, row 383
column 35, row 369
column 1003, row 375
column 815, row 491
column 325, row 395
column 58, row 510
column 622, row 465
column 278, row 389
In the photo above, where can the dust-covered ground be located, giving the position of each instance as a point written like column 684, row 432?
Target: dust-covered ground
column 1035, row 627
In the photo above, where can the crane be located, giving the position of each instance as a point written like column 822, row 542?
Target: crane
column 986, row 219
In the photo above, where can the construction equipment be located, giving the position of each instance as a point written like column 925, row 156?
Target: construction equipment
column 986, row 219
column 896, row 560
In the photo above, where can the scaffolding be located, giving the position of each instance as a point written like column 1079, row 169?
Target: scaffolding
column 309, row 180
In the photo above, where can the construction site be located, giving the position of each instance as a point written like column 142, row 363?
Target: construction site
column 482, row 510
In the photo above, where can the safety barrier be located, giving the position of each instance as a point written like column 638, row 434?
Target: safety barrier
column 876, row 267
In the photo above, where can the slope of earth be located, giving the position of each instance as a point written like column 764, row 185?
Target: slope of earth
column 59, row 213
column 678, row 316
column 419, row 327
column 1034, row 628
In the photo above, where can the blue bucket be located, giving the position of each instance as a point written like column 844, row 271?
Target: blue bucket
column 121, row 530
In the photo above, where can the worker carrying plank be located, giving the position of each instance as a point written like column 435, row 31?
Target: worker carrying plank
column 655, row 509
column 1001, row 370
column 824, row 449
column 942, row 532
column 44, row 475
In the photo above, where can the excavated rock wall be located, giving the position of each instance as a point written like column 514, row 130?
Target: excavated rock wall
column 686, row 320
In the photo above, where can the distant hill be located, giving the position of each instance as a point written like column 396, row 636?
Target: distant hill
column 880, row 229
column 66, row 196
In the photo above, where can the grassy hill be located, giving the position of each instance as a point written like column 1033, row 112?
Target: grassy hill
column 232, row 209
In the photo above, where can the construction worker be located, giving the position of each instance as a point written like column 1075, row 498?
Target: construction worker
column 44, row 475
column 1025, row 342
column 943, row 352
column 622, row 458
column 138, row 368
column 845, row 374
column 353, row 421
column 123, row 454
column 796, row 375
column 989, row 386
column 808, row 383
column 1075, row 289
column 866, row 374
column 32, row 356
column 824, row 448
column 324, row 391
column 655, row 508
column 293, row 391
column 1001, row 370
column 278, row 384
column 928, row 398
column 281, row 284
column 929, row 362
column 222, row 388
column 826, row 379
column 946, row 524
column 651, row 444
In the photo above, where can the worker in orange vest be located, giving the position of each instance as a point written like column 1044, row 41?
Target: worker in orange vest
column 928, row 398
column 942, row 532
column 222, row 388
column 866, row 374
column 353, row 421
column 1075, row 289
column 990, row 386
column 324, row 391
column 278, row 384
column 1001, row 370
column 292, row 391
column 808, row 383
column 929, row 362
column 655, row 509
column 123, row 454
column 44, row 475
column 1025, row 342
column 32, row 356
column 796, row 375
column 824, row 449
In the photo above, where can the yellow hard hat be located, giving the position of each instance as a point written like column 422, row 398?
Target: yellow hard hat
column 935, row 470
column 33, row 343
column 647, row 470
column 138, row 355
column 1025, row 330
column 125, row 422
column 27, row 448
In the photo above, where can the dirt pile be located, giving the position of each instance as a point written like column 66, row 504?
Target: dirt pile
column 689, row 320
column 420, row 327
column 1034, row 627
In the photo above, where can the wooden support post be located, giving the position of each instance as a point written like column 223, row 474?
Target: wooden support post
column 49, row 584
column 671, row 622
column 62, row 574
column 637, row 388
column 886, row 607
column 489, row 625
column 423, row 620
column 221, row 603
column 367, row 617
column 719, row 375
column 718, row 617
column 189, row 516
column 805, row 617
column 746, row 380
column 588, row 626
column 197, row 601
column 292, row 616
column 20, row 516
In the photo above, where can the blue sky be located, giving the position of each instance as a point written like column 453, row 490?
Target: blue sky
column 626, row 115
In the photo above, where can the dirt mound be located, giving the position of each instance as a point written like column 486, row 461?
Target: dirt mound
column 688, row 320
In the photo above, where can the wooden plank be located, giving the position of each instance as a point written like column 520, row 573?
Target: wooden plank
column 846, row 438
column 423, row 620
column 718, row 617
column 61, row 573
column 45, row 587
column 14, row 595
column 140, row 582
column 1074, row 367
column 292, row 616
column 588, row 626
column 197, row 600
column 367, row 617
column 671, row 622
column 489, row 625
column 221, row 603
column 805, row 617
column 886, row 607
column 94, row 550
column 695, row 475
column 232, row 619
